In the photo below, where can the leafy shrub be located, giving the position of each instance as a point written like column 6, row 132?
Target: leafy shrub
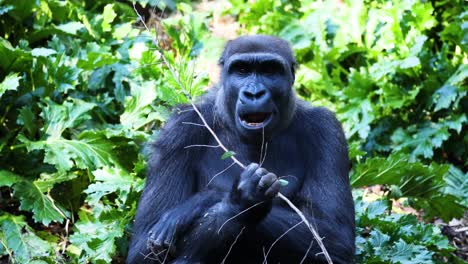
column 81, row 91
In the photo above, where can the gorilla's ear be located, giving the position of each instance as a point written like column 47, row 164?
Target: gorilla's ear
column 223, row 58
column 293, row 70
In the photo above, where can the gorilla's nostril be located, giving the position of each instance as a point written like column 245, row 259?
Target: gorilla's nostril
column 248, row 94
column 260, row 94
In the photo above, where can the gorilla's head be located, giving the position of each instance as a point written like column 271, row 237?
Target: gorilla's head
column 256, row 79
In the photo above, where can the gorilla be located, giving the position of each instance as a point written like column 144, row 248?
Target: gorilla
column 197, row 207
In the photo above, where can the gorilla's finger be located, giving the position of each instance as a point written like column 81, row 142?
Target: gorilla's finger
column 267, row 180
column 260, row 172
column 273, row 190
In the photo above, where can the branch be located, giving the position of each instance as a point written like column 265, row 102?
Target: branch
column 221, row 145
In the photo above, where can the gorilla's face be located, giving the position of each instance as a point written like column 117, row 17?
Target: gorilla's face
column 258, row 94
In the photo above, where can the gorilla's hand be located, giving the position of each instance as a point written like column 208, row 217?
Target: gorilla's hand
column 162, row 236
column 256, row 185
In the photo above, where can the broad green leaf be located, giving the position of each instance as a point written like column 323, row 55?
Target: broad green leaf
column 8, row 178
column 108, row 16
column 110, row 180
column 20, row 241
column 138, row 111
column 453, row 89
column 67, row 115
column 410, row 62
column 457, row 185
column 88, row 151
column 227, row 155
column 11, row 82
column 70, row 27
column 38, row 52
column 97, row 237
column 42, row 205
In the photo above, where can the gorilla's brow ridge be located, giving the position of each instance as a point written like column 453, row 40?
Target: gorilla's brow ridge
column 257, row 57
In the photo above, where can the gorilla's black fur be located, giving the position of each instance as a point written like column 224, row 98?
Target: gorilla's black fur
column 196, row 214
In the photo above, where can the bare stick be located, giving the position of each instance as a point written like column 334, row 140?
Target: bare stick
column 241, row 212
column 307, row 252
column 232, row 245
column 202, row 146
column 200, row 115
column 278, row 239
column 219, row 173
column 193, row 124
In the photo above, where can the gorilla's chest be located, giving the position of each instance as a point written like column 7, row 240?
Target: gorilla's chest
column 283, row 160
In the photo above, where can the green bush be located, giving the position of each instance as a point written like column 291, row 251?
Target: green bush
column 82, row 89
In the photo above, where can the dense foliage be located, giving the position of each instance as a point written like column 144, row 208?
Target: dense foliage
column 82, row 89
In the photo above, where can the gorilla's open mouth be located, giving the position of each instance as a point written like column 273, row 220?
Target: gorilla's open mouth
column 255, row 120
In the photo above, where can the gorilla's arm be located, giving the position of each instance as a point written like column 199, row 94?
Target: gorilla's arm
column 170, row 181
column 324, row 198
column 326, row 186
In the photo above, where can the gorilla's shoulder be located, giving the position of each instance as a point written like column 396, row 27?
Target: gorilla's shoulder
column 184, row 127
column 317, row 119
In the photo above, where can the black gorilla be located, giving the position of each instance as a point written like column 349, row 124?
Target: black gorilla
column 198, row 208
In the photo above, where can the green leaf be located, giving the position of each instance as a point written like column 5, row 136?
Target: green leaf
column 21, row 243
column 67, row 115
column 227, row 155
column 110, row 180
column 8, row 178
column 70, row 27
column 283, row 182
column 108, row 16
column 89, row 151
column 457, row 185
column 408, row 254
column 409, row 62
column 41, row 205
column 97, row 237
column 42, row 52
column 11, row 82
column 138, row 111
column 452, row 89
column 424, row 184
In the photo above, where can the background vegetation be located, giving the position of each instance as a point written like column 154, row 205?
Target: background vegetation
column 82, row 89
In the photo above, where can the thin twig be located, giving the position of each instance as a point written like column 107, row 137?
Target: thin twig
column 202, row 146
column 307, row 252
column 200, row 115
column 238, row 214
column 278, row 239
column 193, row 124
column 219, row 173
column 232, row 245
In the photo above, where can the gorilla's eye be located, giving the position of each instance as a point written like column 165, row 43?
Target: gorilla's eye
column 271, row 67
column 241, row 68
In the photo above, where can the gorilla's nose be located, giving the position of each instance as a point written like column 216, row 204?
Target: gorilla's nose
column 257, row 96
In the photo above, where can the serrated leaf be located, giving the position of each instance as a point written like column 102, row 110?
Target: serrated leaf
column 41, row 205
column 452, row 89
column 110, row 180
column 90, row 150
column 8, row 178
column 20, row 239
column 27, row 119
column 409, row 253
column 420, row 139
column 97, row 237
column 42, row 52
column 71, row 27
column 409, row 62
column 11, row 82
column 138, row 111
column 457, row 185
column 108, row 15
column 67, row 115
column 227, row 155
